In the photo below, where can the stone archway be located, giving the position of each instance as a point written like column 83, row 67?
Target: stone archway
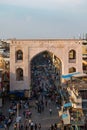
column 46, row 71
column 31, row 48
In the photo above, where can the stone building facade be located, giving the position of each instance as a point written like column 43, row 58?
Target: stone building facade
column 68, row 51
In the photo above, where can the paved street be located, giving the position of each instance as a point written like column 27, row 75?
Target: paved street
column 44, row 117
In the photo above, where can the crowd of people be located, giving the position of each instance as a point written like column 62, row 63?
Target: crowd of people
column 26, row 121
column 45, row 75
column 28, row 125
column 45, row 82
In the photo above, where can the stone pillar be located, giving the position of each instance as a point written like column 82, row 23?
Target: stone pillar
column 29, row 77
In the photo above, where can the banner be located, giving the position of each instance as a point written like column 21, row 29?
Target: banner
column 66, row 118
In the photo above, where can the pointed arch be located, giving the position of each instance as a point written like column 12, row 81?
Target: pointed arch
column 72, row 69
column 19, row 55
column 72, row 56
column 19, row 74
column 46, row 69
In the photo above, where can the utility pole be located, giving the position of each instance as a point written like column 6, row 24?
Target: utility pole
column 17, row 116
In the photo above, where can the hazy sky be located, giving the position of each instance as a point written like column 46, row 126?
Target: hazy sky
column 43, row 18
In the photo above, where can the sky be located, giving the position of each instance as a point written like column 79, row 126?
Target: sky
column 43, row 19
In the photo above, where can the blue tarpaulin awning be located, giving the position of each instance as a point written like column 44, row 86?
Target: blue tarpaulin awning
column 65, row 115
column 68, row 76
column 69, row 104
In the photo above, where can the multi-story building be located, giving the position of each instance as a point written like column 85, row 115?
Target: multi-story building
column 4, row 65
column 84, row 56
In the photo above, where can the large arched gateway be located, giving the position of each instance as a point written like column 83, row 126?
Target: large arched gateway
column 46, row 71
column 44, row 60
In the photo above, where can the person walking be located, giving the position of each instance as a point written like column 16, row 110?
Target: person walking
column 50, row 111
column 32, row 125
column 35, row 126
column 29, row 122
column 39, row 126
column 46, row 102
column 52, row 127
column 5, row 126
column 21, row 127
column 15, row 126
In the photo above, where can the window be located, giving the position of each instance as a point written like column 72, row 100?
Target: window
column 72, row 69
column 19, row 74
column 72, row 54
column 19, row 55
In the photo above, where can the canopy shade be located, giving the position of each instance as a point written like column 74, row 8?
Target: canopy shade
column 80, row 75
column 68, row 76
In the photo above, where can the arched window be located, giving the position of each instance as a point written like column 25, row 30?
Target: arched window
column 72, row 56
column 72, row 69
column 19, row 74
column 19, row 55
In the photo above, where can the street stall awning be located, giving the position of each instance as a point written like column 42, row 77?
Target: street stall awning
column 69, row 75
column 80, row 75
column 66, row 118
column 69, row 104
column 84, row 62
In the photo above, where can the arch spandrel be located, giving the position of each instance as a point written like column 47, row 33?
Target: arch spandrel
column 57, row 52
column 33, row 52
